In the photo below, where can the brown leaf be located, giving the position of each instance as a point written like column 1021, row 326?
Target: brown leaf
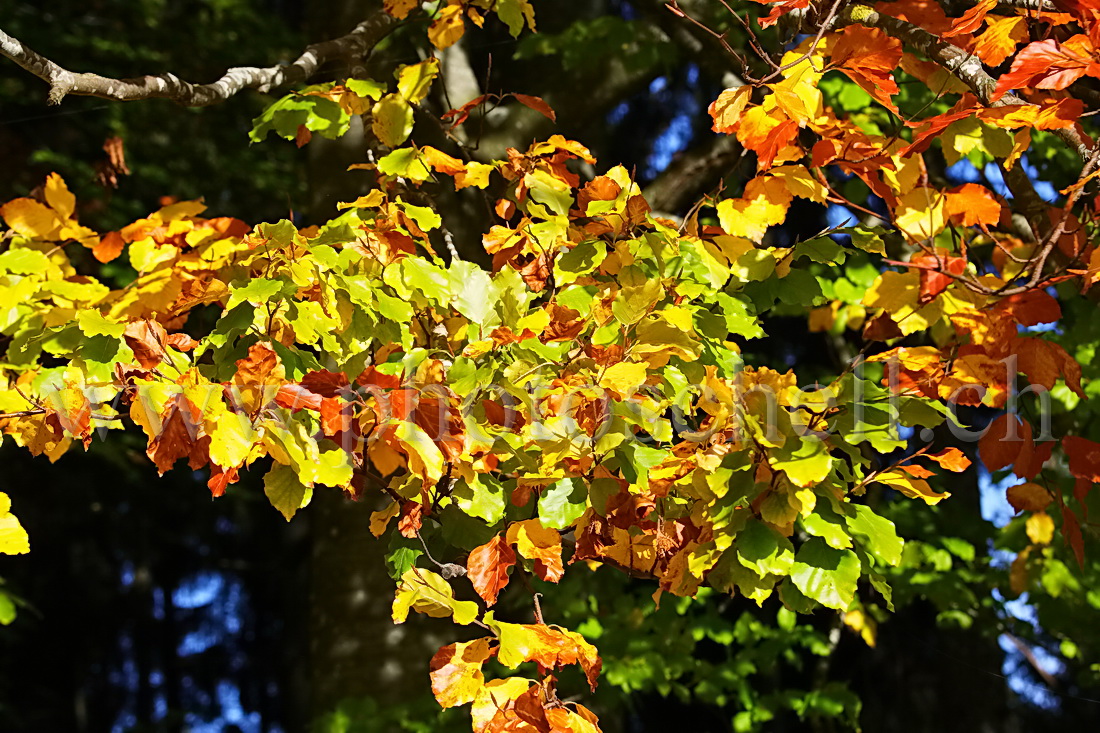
column 180, row 426
column 147, row 340
column 1028, row 497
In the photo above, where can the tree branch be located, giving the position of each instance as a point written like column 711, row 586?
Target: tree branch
column 964, row 66
column 168, row 86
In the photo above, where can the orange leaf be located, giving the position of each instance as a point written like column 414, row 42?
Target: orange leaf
column 1049, row 65
column 935, row 281
column 109, row 247
column 1000, row 39
column 540, row 544
column 971, row 204
column 917, row 471
column 549, row 646
column 538, row 104
column 1003, row 441
column 868, row 56
column 411, row 519
column 952, row 459
column 456, row 671
column 971, row 20
column 1060, row 114
column 487, row 568
column 765, row 135
column 442, row 162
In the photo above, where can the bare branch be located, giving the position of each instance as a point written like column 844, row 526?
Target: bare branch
column 168, row 86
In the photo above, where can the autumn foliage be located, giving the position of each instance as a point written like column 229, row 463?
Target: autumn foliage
column 585, row 398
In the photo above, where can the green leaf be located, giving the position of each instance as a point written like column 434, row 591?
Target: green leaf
column 826, row 575
column 581, row 260
column 484, row 498
column 317, row 114
column 393, row 308
column 285, row 492
column 562, row 502
column 876, row 533
column 739, row 316
column 93, row 323
column 824, row 523
column 806, row 461
column 367, row 88
column 763, row 550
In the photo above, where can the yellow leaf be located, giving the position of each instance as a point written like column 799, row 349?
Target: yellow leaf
column 726, row 110
column 862, row 624
column 13, row 538
column 800, row 182
column 1040, row 528
column 494, row 703
column 447, row 28
column 921, row 214
column 456, row 671
column 30, row 219
column 231, row 439
column 914, row 488
column 624, row 378
column 765, row 204
column 392, row 120
column 59, row 197
column 414, row 81
column 428, row 593
column 476, row 174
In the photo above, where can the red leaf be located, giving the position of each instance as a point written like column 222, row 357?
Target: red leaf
column 1084, row 457
column 302, row 136
column 220, row 478
column 538, row 104
column 325, row 383
column 1031, row 307
column 935, row 281
column 1071, row 530
column 1003, row 441
column 488, row 566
